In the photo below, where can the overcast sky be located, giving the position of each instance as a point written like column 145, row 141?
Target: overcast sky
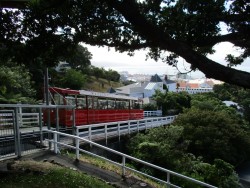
column 109, row 59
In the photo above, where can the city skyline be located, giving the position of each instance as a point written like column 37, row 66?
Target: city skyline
column 137, row 64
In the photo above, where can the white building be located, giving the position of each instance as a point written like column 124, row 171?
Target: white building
column 195, row 86
column 170, row 84
column 151, row 87
column 145, row 90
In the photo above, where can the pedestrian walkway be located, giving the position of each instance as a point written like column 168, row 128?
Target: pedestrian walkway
column 108, row 176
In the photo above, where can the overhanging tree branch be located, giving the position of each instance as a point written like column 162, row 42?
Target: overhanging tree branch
column 117, row 44
column 231, row 37
column 127, row 25
column 130, row 10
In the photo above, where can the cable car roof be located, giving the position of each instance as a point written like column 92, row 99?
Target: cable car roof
column 106, row 95
column 89, row 93
column 63, row 91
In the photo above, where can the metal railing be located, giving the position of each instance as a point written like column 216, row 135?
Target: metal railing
column 7, row 133
column 105, row 130
column 29, row 119
column 21, row 131
column 25, row 119
column 156, row 113
column 6, row 118
column 124, row 157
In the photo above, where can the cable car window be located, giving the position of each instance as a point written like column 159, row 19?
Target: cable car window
column 58, row 99
column 136, row 105
column 122, row 104
column 118, row 104
column 81, row 103
column 90, row 103
column 126, row 104
column 111, row 104
column 95, row 102
column 70, row 101
column 102, row 103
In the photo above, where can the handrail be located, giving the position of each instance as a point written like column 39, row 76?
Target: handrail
column 24, row 118
column 117, row 128
column 168, row 118
column 36, row 106
column 152, row 113
column 124, row 157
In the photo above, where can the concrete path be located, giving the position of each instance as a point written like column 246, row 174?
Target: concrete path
column 111, row 177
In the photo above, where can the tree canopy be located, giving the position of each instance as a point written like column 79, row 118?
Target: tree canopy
column 16, row 85
column 73, row 79
column 185, row 28
column 172, row 103
column 236, row 94
column 166, row 147
column 215, row 135
column 206, row 141
column 80, row 58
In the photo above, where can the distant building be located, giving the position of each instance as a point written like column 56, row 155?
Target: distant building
column 235, row 105
column 194, row 86
column 142, row 89
column 146, row 89
column 111, row 90
column 155, row 78
column 62, row 66
column 170, row 84
column 231, row 103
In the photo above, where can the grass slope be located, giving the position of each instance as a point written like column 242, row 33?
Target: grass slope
column 32, row 174
column 100, row 85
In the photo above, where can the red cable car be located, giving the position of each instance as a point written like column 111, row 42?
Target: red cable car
column 93, row 107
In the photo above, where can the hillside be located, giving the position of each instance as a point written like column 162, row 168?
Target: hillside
column 100, row 85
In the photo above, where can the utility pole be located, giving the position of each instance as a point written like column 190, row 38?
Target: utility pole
column 46, row 83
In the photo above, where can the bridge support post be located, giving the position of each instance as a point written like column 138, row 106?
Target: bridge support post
column 168, row 179
column 74, row 124
column 128, row 127
column 123, row 166
column 55, row 143
column 106, row 133
column 77, row 144
column 17, row 134
column 20, row 116
column 57, row 122
column 119, row 133
column 90, row 135
column 77, row 149
column 41, row 127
